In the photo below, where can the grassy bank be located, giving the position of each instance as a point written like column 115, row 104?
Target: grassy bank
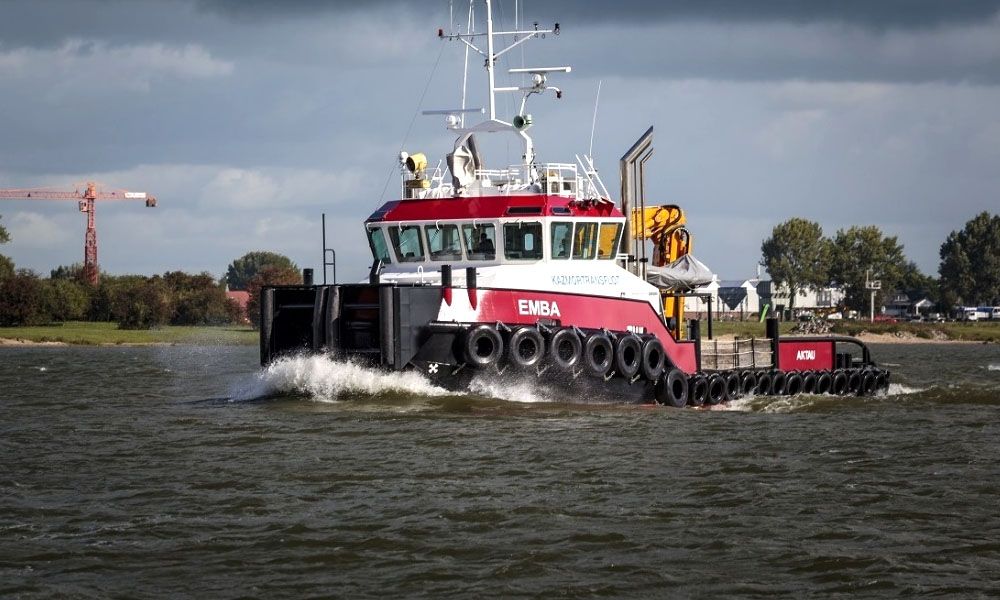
column 84, row 333
column 958, row 331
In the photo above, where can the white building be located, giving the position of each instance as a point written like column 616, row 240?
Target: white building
column 743, row 297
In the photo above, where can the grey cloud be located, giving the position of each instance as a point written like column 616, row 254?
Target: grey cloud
column 882, row 14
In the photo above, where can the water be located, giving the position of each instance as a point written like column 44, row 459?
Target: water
column 133, row 472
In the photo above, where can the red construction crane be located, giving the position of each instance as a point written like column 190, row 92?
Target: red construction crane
column 86, row 201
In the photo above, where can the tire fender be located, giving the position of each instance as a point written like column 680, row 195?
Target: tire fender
column 628, row 356
column 565, row 349
column 697, row 390
column 672, row 389
column 482, row 346
column 824, row 383
column 716, row 388
column 764, row 382
column 525, row 348
column 653, row 359
column 809, row 382
column 793, row 384
column 778, row 379
column 733, row 389
column 598, row 354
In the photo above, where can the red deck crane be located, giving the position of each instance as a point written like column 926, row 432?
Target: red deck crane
column 86, row 201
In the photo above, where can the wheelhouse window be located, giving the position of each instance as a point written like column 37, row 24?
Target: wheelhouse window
column 522, row 240
column 562, row 240
column 481, row 240
column 607, row 243
column 584, row 241
column 380, row 250
column 407, row 243
column 443, row 242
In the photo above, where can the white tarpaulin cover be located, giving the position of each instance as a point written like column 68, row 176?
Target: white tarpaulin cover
column 464, row 161
column 685, row 273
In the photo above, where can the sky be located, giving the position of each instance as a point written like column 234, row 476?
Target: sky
column 249, row 119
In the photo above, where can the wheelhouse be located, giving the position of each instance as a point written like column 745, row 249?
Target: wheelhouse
column 508, row 233
column 502, row 241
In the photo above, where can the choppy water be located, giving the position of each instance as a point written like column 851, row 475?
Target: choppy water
column 174, row 471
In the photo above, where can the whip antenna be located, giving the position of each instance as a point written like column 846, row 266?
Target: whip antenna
column 593, row 122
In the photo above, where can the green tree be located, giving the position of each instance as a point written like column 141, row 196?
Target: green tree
column 268, row 276
column 860, row 251
column 6, row 267
column 65, row 299
column 916, row 285
column 6, row 264
column 198, row 299
column 72, row 272
column 243, row 269
column 20, row 299
column 970, row 263
column 141, row 302
column 797, row 255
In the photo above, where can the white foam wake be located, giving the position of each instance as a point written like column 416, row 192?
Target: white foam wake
column 993, row 367
column 327, row 380
column 898, row 389
column 516, row 390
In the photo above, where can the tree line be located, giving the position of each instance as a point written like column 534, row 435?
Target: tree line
column 799, row 256
column 138, row 301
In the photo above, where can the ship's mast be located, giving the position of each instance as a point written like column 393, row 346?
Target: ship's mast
column 490, row 59
column 522, row 121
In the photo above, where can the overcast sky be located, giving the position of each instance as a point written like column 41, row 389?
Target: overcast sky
column 249, row 119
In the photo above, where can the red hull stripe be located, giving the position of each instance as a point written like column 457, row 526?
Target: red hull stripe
column 587, row 312
column 805, row 356
column 489, row 207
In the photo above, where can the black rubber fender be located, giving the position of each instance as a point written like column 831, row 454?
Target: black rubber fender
column 868, row 383
column 654, row 359
column 716, row 389
column 839, row 385
column 748, row 383
column 697, row 390
column 598, row 354
column 482, row 346
column 808, row 382
column 764, row 384
column 882, row 380
column 628, row 356
column 793, row 384
column 733, row 389
column 672, row 389
column 854, row 382
column 525, row 348
column 565, row 349
column 824, row 382
column 778, row 379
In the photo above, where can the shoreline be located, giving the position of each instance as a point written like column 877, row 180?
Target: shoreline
column 21, row 342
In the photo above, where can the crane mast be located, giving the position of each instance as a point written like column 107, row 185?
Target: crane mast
column 86, row 201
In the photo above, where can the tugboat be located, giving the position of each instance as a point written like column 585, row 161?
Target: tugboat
column 532, row 270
